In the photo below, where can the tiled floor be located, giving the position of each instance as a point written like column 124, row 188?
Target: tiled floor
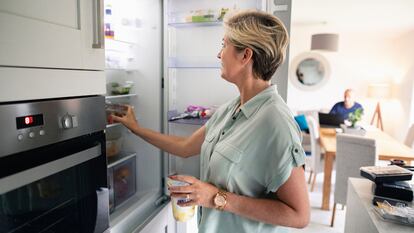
column 320, row 219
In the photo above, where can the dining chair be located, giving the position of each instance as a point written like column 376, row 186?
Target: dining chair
column 316, row 158
column 409, row 139
column 352, row 152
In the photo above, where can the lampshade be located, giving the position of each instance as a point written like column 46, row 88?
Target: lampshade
column 325, row 41
column 379, row 90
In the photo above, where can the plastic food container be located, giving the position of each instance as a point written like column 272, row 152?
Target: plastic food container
column 113, row 147
column 180, row 213
column 124, row 180
column 114, row 109
column 121, row 89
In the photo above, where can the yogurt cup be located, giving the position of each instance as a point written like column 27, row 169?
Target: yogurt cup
column 180, row 213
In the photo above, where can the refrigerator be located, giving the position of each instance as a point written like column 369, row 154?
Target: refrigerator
column 166, row 53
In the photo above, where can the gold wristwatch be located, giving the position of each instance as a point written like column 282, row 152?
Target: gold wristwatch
column 220, row 200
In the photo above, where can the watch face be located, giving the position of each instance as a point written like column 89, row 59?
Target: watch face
column 220, row 200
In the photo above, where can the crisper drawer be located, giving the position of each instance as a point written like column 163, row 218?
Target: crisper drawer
column 122, row 182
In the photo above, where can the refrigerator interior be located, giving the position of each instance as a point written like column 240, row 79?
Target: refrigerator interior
column 193, row 38
column 133, row 54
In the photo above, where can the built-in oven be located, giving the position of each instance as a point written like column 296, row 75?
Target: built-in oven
column 53, row 166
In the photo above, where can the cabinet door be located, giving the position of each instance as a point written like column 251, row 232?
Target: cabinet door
column 49, row 33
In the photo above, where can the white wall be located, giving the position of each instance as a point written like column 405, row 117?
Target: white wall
column 363, row 58
column 404, row 54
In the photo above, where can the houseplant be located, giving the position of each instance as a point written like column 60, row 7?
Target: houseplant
column 354, row 117
column 353, row 128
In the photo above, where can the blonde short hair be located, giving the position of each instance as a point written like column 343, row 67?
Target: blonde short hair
column 262, row 32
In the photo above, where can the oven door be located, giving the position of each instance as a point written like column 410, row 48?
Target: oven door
column 56, row 188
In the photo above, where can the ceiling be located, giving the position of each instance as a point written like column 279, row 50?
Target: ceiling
column 391, row 16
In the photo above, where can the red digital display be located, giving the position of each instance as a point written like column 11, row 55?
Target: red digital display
column 29, row 121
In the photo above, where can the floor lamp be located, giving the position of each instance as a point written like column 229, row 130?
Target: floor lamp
column 378, row 91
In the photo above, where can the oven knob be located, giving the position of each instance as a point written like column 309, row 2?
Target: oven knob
column 31, row 135
column 41, row 132
column 67, row 122
column 20, row 137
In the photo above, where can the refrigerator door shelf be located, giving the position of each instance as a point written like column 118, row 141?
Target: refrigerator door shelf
column 191, row 121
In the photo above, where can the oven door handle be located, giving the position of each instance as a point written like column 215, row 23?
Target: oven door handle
column 23, row 178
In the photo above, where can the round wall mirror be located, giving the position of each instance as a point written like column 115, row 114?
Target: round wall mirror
column 309, row 71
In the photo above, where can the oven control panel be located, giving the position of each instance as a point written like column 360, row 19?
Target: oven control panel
column 34, row 124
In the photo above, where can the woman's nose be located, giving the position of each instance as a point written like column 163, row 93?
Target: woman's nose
column 219, row 55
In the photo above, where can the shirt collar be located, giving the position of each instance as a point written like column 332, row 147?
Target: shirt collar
column 253, row 104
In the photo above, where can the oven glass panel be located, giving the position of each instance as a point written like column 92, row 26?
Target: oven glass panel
column 65, row 196
column 66, row 201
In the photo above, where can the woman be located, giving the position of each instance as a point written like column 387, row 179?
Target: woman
column 252, row 178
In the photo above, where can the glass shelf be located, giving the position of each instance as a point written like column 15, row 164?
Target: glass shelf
column 113, row 125
column 116, row 41
column 108, row 97
column 191, row 121
column 196, row 24
column 121, row 157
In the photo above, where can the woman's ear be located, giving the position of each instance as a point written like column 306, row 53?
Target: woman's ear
column 247, row 55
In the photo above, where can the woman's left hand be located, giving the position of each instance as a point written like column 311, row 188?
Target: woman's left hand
column 200, row 193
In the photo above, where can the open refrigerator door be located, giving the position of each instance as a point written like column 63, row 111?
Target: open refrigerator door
column 161, row 58
column 133, row 57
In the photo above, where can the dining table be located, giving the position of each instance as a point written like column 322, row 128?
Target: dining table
column 388, row 148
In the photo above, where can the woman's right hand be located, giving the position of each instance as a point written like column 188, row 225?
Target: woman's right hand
column 129, row 119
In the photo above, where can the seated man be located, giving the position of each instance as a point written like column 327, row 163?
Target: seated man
column 347, row 106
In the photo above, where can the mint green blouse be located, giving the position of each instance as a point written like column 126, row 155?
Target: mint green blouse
column 250, row 152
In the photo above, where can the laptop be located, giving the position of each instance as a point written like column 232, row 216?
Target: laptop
column 327, row 120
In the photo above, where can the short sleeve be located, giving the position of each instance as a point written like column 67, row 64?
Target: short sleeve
column 293, row 156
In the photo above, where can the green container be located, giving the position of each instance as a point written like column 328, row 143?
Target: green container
column 202, row 18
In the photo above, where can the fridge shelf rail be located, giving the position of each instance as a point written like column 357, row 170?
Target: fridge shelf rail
column 116, row 41
column 109, row 97
column 196, row 24
column 113, row 125
column 121, row 157
column 121, row 69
